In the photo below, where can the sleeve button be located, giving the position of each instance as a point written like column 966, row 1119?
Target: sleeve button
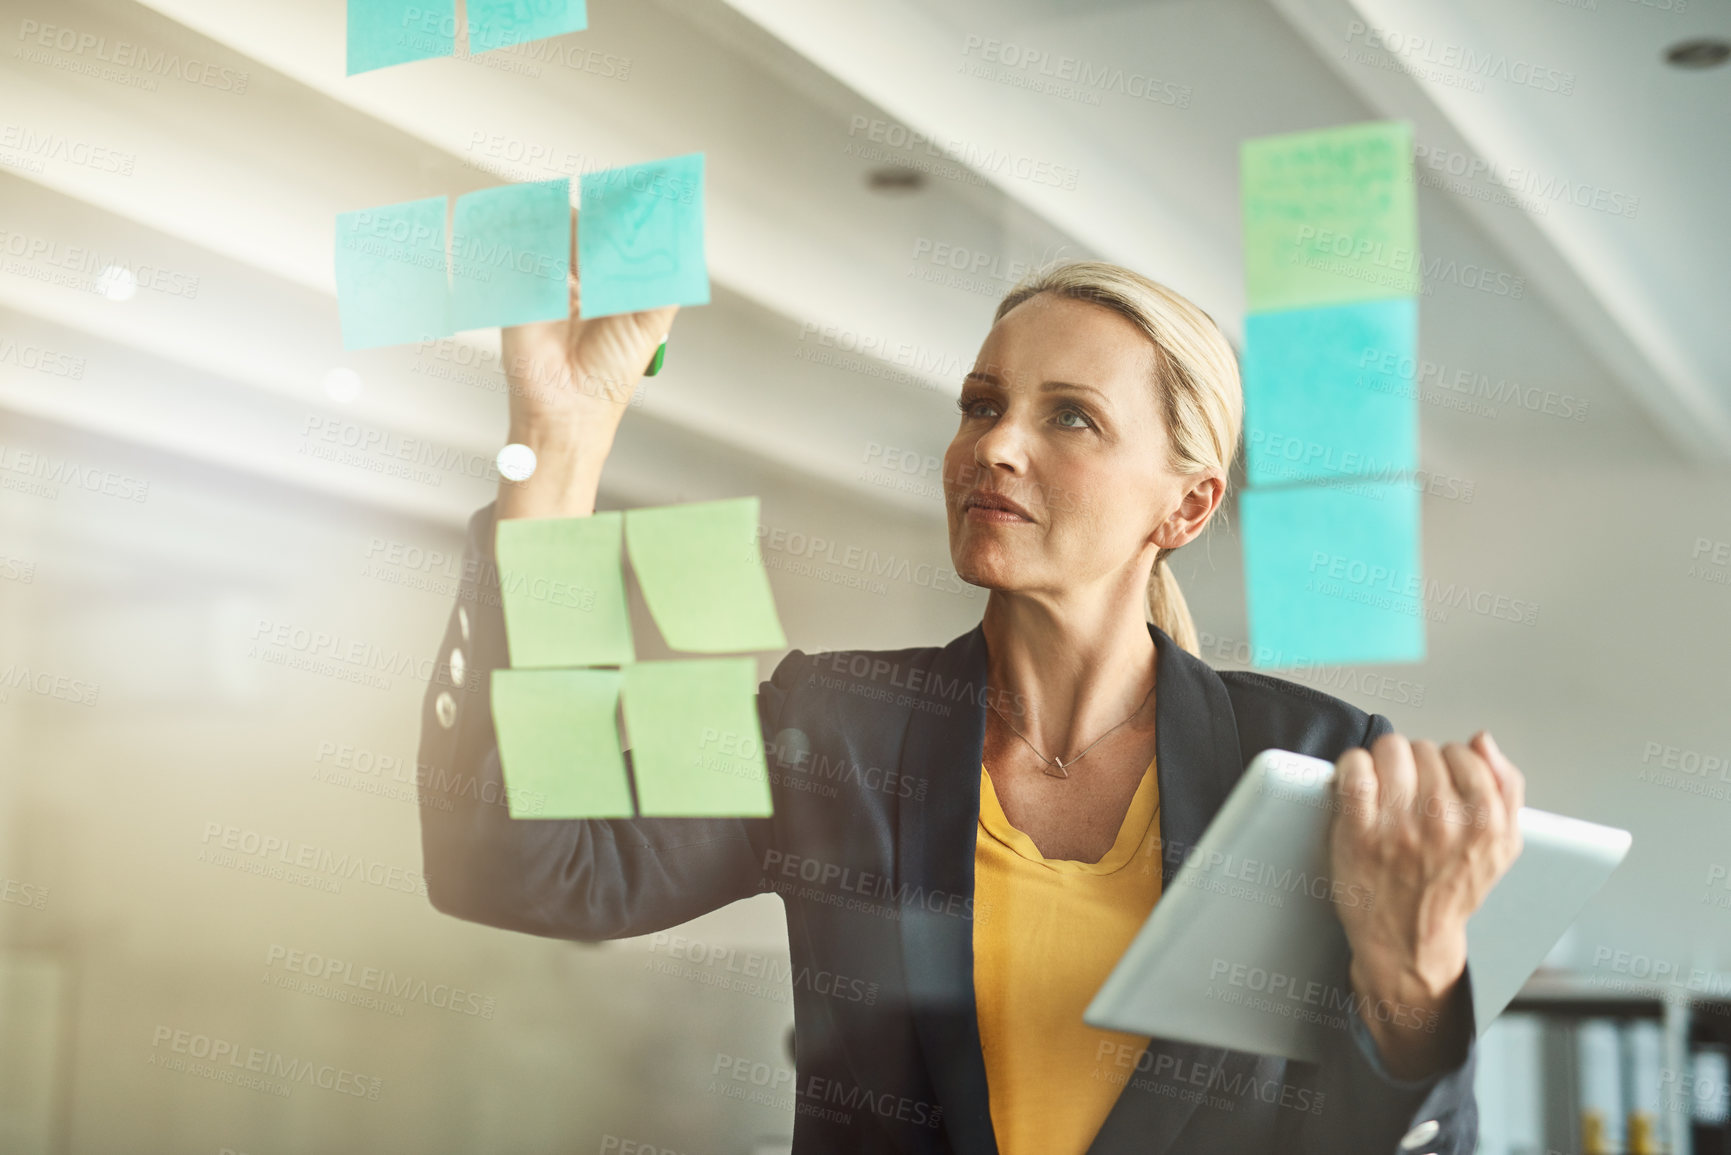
column 445, row 707
column 457, row 666
column 1420, row 1135
column 463, row 621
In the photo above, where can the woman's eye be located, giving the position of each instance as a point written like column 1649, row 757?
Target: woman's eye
column 968, row 405
column 1075, row 413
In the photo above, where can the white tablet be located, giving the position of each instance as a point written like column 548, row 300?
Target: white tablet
column 1239, row 950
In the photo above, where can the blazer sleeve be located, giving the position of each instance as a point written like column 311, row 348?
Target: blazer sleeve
column 581, row 879
column 1367, row 1109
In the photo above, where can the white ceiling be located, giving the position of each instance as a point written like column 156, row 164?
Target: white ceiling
column 240, row 191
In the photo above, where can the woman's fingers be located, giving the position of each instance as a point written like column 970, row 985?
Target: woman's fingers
column 1355, row 783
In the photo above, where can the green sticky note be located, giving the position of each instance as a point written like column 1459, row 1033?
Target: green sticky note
column 390, row 264
column 511, row 255
column 499, row 23
column 702, row 575
column 1332, row 573
column 1329, row 392
column 696, row 741
column 1329, row 217
column 562, row 587
column 640, row 239
column 387, row 32
column 559, row 743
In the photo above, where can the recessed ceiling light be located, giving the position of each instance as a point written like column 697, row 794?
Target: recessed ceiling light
column 895, row 178
column 117, row 283
column 342, row 384
column 1706, row 52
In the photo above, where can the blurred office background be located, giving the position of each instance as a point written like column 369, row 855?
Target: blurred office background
column 228, row 548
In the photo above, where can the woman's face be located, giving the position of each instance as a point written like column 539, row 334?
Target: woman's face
column 1060, row 416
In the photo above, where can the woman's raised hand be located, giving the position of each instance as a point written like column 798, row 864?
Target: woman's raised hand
column 571, row 381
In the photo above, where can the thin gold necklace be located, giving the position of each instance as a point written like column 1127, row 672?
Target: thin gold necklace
column 1059, row 762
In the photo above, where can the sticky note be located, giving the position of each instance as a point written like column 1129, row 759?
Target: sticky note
column 702, row 575
column 1329, row 217
column 1332, row 572
column 559, row 743
column 386, row 32
column 390, row 263
column 696, row 740
column 1329, row 392
column 562, row 590
column 511, row 255
column 499, row 23
column 640, row 237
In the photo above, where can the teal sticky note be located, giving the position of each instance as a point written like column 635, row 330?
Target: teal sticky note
column 1329, row 392
column 640, row 237
column 511, row 255
column 559, row 743
column 391, row 283
column 1332, row 573
column 500, row 23
column 1330, row 217
column 562, row 589
column 696, row 741
column 386, row 32
column 702, row 575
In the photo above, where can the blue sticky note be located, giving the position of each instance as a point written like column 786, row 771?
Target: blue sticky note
column 511, row 255
column 387, row 32
column 391, row 284
column 1329, row 392
column 1332, row 573
column 499, row 23
column 640, row 237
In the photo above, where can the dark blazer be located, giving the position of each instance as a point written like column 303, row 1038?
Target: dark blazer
column 874, row 762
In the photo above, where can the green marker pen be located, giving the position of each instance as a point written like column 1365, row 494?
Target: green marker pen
column 655, row 361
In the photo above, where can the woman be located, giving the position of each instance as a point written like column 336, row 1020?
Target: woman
column 1096, row 432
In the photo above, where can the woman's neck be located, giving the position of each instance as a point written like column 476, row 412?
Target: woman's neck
column 1064, row 675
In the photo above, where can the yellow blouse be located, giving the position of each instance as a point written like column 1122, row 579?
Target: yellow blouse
column 1047, row 932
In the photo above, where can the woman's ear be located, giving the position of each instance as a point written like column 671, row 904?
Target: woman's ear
column 1195, row 508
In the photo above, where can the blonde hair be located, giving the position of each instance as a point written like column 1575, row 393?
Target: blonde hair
column 1196, row 379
